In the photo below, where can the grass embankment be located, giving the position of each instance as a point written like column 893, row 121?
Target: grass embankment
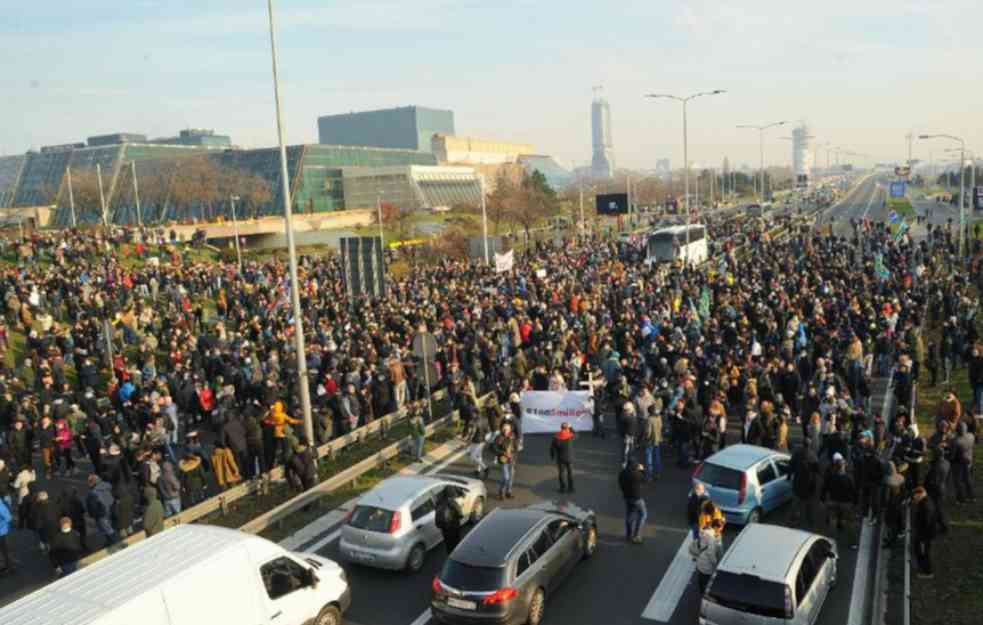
column 954, row 596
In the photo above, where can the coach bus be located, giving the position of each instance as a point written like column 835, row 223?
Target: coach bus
column 687, row 243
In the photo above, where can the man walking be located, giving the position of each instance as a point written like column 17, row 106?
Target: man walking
column 839, row 488
column 561, row 451
column 448, row 519
column 804, row 475
column 962, row 463
column 708, row 550
column 653, row 444
column 630, row 481
column 504, row 448
column 924, row 523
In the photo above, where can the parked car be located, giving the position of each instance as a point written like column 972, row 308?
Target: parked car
column 393, row 525
column 506, row 567
column 188, row 575
column 771, row 575
column 746, row 481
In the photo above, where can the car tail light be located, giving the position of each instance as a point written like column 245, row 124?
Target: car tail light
column 395, row 523
column 697, row 470
column 437, row 587
column 500, row 596
column 742, row 494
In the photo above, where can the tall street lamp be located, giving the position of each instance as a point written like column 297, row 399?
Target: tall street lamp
column 684, row 101
column 235, row 229
column 761, row 144
column 962, row 184
column 303, row 386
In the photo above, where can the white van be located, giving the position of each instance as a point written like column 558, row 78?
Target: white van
column 190, row 575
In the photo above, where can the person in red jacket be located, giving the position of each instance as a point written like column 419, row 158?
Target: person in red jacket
column 561, row 452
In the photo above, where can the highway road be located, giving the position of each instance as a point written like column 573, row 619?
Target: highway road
column 625, row 584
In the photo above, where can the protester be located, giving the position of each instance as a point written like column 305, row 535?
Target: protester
column 504, row 448
column 630, row 481
column 561, row 452
column 66, row 549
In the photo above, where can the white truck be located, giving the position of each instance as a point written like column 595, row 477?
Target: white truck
column 192, row 575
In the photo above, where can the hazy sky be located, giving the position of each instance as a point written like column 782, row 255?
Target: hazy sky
column 862, row 72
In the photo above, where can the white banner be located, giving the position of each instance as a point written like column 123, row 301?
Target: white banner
column 504, row 262
column 544, row 411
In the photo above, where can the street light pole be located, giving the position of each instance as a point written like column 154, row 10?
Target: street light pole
column 235, row 230
column 685, row 143
column 136, row 192
column 962, row 185
column 71, row 196
column 102, row 198
column 304, row 389
column 484, row 217
column 761, row 146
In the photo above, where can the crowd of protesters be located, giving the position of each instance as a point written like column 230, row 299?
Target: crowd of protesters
column 169, row 376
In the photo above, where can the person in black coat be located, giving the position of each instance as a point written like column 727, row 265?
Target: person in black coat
column 448, row 518
column 804, row 475
column 924, row 523
column 630, row 480
column 302, row 469
column 694, row 505
column 561, row 452
column 66, row 549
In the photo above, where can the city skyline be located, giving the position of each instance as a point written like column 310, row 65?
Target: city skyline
column 863, row 81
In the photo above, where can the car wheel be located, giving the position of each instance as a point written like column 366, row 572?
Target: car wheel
column 536, row 608
column 754, row 517
column 590, row 542
column 414, row 561
column 478, row 509
column 329, row 615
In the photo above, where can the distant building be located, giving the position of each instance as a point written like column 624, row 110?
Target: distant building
column 556, row 175
column 10, row 171
column 802, row 154
column 117, row 138
column 411, row 187
column 602, row 160
column 469, row 150
column 197, row 137
column 405, row 128
column 663, row 167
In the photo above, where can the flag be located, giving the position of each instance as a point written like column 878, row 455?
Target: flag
column 705, row 303
column 504, row 262
column 901, row 230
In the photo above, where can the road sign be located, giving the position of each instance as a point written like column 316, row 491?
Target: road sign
column 898, row 188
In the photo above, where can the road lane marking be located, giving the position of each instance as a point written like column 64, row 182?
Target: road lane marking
column 672, row 586
column 858, row 594
column 871, row 200
column 423, row 619
column 342, row 510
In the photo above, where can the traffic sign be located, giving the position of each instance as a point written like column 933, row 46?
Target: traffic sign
column 898, row 188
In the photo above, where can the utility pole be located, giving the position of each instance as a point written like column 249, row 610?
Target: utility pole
column 71, row 196
column 136, row 193
column 298, row 313
column 235, row 230
column 484, row 218
column 102, row 198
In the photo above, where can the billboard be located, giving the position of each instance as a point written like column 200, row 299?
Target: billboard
column 612, row 204
column 898, row 188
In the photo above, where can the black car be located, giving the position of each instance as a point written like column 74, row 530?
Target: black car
column 503, row 570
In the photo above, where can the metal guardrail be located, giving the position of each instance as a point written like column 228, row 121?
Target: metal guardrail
column 222, row 501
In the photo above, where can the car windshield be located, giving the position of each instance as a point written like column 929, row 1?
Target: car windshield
column 472, row 578
column 748, row 593
column 371, row 519
column 721, row 477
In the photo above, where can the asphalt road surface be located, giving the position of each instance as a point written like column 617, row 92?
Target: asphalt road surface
column 618, row 585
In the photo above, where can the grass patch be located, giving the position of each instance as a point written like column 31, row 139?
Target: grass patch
column 953, row 597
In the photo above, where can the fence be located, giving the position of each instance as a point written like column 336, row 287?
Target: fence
column 220, row 503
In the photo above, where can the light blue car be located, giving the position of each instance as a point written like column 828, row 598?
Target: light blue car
column 746, row 481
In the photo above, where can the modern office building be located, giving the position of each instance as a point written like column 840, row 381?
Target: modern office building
column 411, row 187
column 10, row 171
column 197, row 137
column 557, row 176
column 117, row 138
column 602, row 161
column 405, row 128
column 471, row 151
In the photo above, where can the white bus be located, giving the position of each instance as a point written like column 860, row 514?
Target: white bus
column 672, row 244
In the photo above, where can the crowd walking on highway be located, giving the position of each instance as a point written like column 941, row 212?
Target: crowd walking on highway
column 170, row 380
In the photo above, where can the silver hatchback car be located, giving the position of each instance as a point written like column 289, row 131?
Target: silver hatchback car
column 393, row 525
column 771, row 575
